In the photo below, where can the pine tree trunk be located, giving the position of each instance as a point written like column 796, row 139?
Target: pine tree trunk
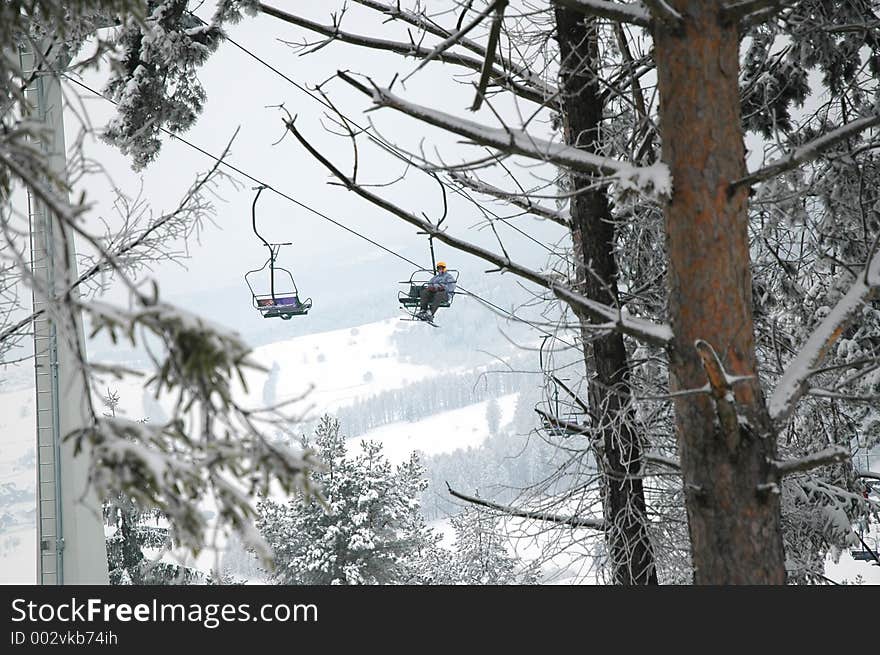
column 593, row 238
column 733, row 513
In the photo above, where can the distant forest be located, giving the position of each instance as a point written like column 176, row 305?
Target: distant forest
column 437, row 394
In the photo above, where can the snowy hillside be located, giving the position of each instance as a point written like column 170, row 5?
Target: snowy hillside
column 342, row 365
column 336, row 368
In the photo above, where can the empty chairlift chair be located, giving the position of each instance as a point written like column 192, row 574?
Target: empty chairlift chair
column 274, row 295
column 278, row 296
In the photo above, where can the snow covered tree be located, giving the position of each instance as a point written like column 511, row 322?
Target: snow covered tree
column 479, row 554
column 135, row 530
column 367, row 530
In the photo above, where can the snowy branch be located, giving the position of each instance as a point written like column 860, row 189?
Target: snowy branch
column 595, row 524
column 662, row 11
column 655, row 458
column 614, row 318
column 830, row 455
column 653, row 180
column 793, row 384
column 556, row 422
column 622, row 12
column 807, row 152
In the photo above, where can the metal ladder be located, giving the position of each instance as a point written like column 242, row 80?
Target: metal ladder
column 50, row 543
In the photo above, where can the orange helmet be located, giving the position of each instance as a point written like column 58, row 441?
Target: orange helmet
column 441, row 264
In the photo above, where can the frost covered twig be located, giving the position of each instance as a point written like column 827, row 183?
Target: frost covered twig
column 807, row 152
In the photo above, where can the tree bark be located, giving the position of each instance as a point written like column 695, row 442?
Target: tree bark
column 593, row 238
column 726, row 440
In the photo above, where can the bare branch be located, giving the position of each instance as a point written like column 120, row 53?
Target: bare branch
column 793, row 384
column 454, row 38
column 491, row 46
column 595, row 524
column 830, row 455
column 396, row 12
column 525, row 91
column 621, row 12
column 807, row 152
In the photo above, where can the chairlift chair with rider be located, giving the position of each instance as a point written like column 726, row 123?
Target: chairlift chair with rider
column 410, row 296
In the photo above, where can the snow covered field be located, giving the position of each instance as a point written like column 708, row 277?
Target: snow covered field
column 342, row 365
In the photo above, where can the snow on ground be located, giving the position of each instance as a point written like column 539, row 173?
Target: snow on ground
column 851, row 571
column 444, row 432
column 341, row 366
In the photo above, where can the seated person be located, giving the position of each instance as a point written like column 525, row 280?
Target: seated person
column 436, row 291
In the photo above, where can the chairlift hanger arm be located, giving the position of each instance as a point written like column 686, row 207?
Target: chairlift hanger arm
column 259, row 190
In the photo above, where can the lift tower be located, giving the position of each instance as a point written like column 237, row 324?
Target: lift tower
column 70, row 530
